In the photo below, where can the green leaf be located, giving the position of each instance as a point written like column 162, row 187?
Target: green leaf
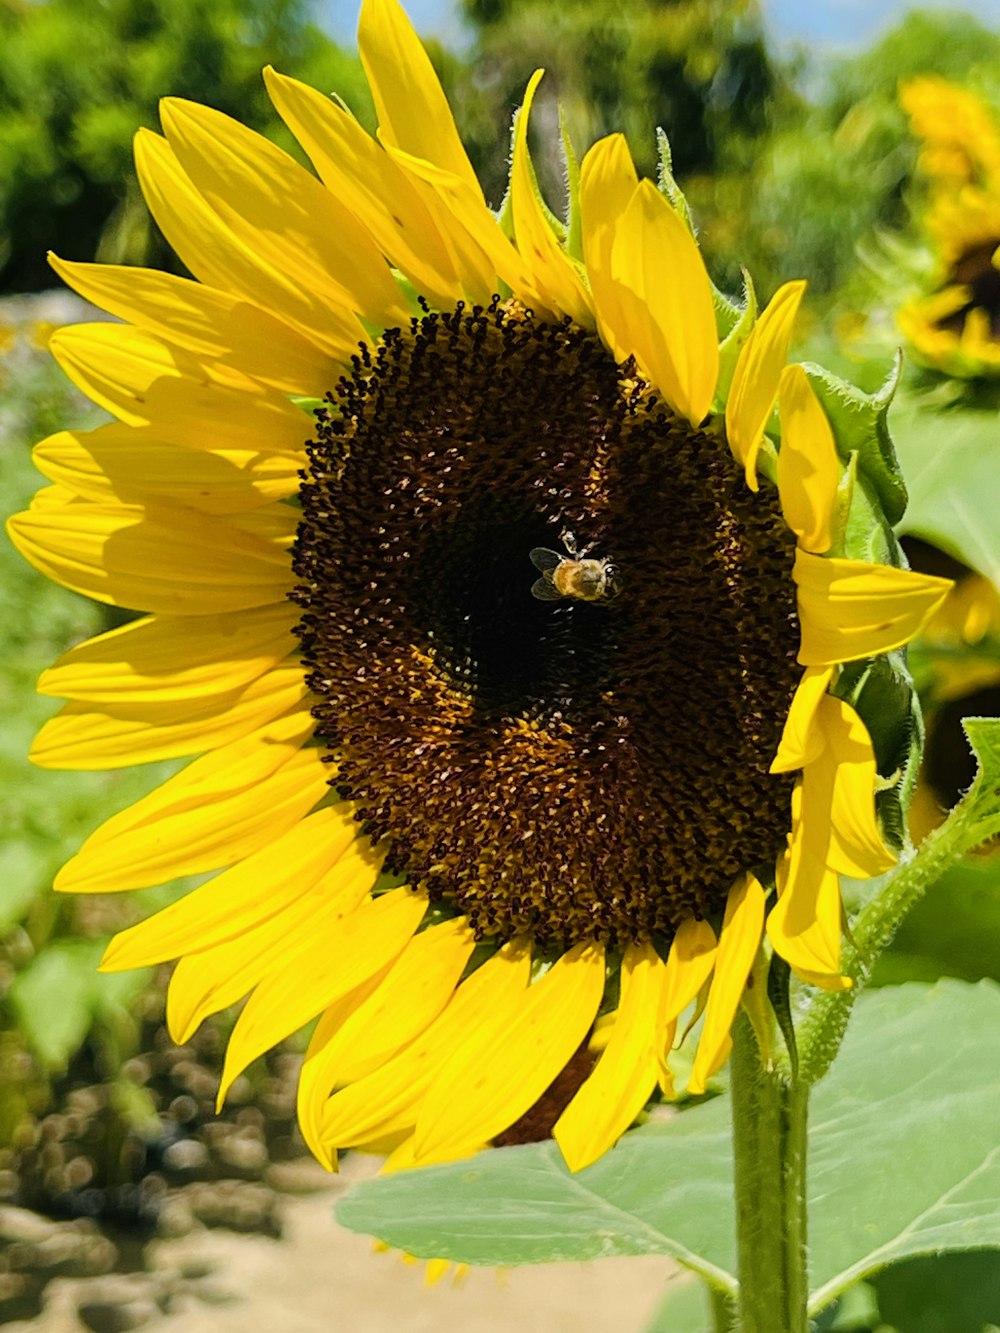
column 686, row 1308
column 916, row 1058
column 860, row 425
column 903, row 1152
column 954, row 930
column 949, row 459
column 53, row 998
column 953, row 1293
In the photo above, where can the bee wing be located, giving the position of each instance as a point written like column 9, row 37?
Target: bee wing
column 545, row 560
column 545, row 591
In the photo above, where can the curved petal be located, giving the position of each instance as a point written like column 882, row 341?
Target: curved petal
column 210, row 323
column 838, row 796
column 413, row 112
column 802, row 738
column 387, row 1100
column 805, row 925
column 757, row 376
column 665, row 289
column 627, row 1070
column 325, row 967
column 356, row 169
column 217, row 256
column 173, row 658
column 129, row 465
column 233, row 903
column 218, row 810
column 159, row 560
column 281, row 212
column 608, row 180
column 742, row 930
column 553, row 273
column 850, row 609
column 504, row 1064
column 808, row 466
column 208, row 980
column 351, row 1041
column 82, row 736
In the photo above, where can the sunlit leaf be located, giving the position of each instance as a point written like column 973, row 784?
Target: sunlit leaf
column 885, row 1182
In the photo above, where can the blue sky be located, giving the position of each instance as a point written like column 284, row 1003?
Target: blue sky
column 836, row 23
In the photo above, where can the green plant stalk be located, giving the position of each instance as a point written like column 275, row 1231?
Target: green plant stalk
column 769, row 1148
column 822, row 1029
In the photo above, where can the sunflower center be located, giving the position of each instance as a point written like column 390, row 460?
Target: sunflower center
column 541, row 754
column 976, row 271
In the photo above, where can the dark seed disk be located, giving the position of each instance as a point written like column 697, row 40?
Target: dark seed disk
column 572, row 770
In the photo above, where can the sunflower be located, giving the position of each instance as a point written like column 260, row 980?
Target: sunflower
column 957, row 327
column 494, row 838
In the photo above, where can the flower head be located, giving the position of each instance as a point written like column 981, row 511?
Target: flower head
column 470, row 809
column 956, row 328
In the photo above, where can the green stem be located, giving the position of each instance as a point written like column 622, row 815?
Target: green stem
column 769, row 1146
column 725, row 1316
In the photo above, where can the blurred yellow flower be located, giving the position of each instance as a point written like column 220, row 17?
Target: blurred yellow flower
column 956, row 328
column 460, row 810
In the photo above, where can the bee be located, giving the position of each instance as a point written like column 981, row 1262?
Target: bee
column 573, row 574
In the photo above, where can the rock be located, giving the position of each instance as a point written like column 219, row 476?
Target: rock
column 186, row 1156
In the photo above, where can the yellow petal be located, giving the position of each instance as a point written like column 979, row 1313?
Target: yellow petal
column 802, row 738
column 626, row 1072
column 159, row 559
column 215, row 254
column 804, row 926
column 838, row 796
column 365, row 178
column 386, row 1100
column 607, row 182
column 208, row 322
column 671, row 319
column 413, row 112
column 82, row 736
column 130, row 465
column 281, row 212
column 173, row 657
column 480, row 250
column 553, row 273
column 239, row 899
column 850, row 609
column 757, row 376
column 352, row 1040
column 689, row 965
column 503, row 1066
column 320, row 972
column 116, row 365
column 808, row 467
column 212, row 979
column 220, row 809
column 739, row 942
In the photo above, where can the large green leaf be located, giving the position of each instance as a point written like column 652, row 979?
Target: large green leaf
column 903, row 1162
column 952, row 1293
column 949, row 459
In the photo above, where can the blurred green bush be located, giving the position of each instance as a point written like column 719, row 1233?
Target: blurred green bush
column 76, row 82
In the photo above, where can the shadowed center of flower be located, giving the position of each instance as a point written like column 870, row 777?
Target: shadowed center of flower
column 976, row 271
column 573, row 766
